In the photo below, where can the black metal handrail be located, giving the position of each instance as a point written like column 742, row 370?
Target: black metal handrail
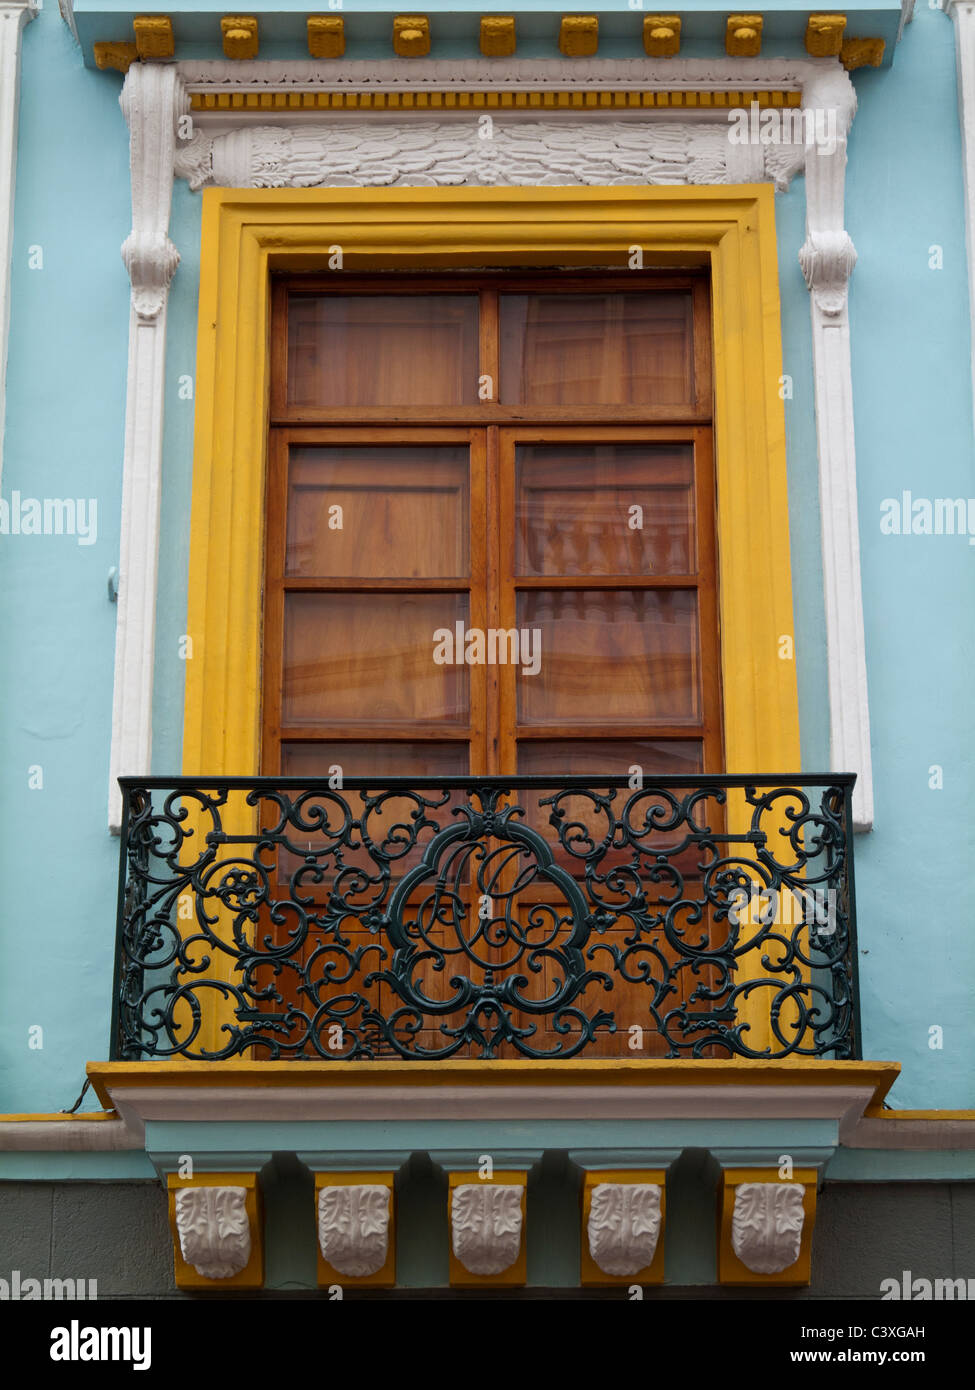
column 543, row 917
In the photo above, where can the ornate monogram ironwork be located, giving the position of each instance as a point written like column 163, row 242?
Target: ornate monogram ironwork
column 486, row 917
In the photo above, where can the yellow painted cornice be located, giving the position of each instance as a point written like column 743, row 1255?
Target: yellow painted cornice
column 239, row 36
column 119, row 56
column 859, row 53
column 579, row 35
column 661, row 35
column 154, row 36
column 411, row 36
column 743, row 35
column 326, row 35
column 824, row 35
column 497, row 36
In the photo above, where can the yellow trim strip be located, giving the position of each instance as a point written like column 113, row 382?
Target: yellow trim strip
column 417, row 100
column 59, row 1116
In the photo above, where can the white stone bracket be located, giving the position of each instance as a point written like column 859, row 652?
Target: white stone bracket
column 766, row 1225
column 624, row 1226
column 214, row 1230
column 353, row 1227
column 152, row 100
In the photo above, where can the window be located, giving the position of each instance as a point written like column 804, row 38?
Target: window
column 490, row 528
column 491, row 545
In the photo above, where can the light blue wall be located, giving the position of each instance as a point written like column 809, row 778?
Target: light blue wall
column 913, row 412
column 65, row 413
column 64, row 437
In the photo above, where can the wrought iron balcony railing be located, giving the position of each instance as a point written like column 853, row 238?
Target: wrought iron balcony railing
column 537, row 917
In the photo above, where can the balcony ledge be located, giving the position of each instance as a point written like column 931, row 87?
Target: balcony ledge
column 593, row 1089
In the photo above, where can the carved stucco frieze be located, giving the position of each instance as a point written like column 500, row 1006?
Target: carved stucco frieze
column 214, row 1230
column 435, row 153
column 353, row 1227
column 485, row 1225
column 624, row 1226
column 766, row 1225
column 415, row 151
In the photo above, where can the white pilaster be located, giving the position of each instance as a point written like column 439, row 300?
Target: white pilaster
column 14, row 15
column 151, row 100
column 963, row 14
column 827, row 258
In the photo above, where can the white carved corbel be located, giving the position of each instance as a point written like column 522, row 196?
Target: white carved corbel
column 353, row 1228
column 827, row 259
column 485, row 1226
column 624, row 1226
column 766, row 1225
column 14, row 15
column 152, row 100
column 214, row 1230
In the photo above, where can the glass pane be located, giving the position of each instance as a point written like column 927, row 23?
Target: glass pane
column 369, row 349
column 369, row 659
column 597, row 349
column 404, row 512
column 591, row 759
column 372, row 759
column 605, row 656
column 604, row 509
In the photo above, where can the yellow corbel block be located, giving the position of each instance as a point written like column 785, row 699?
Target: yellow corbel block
column 186, row 1275
column 860, row 53
column 824, row 35
column 579, row 35
column 661, row 35
column 743, row 36
column 591, row 1274
column 731, row 1270
column 517, row 1272
column 119, row 56
column 411, row 36
column 384, row 1278
column 239, row 36
column 154, row 36
column 326, row 35
column 497, row 36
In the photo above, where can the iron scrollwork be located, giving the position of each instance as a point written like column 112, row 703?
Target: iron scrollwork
column 533, row 917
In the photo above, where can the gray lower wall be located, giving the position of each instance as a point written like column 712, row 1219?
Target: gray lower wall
column 118, row 1234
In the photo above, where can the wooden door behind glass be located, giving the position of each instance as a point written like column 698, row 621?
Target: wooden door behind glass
column 506, row 454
